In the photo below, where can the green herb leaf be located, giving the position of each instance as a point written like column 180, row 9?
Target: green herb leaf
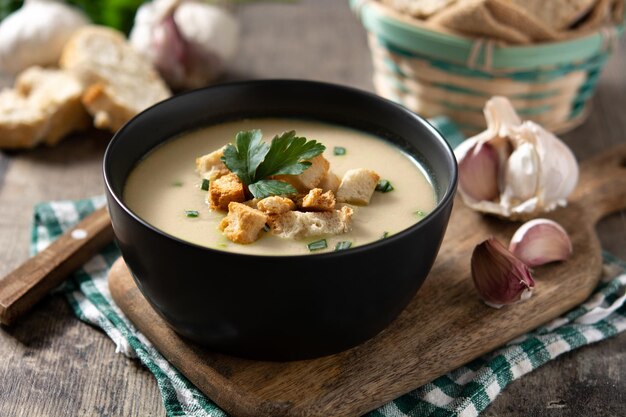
column 343, row 245
column 339, row 151
column 205, row 185
column 244, row 159
column 317, row 245
column 192, row 213
column 384, row 186
column 384, row 235
column 266, row 188
column 288, row 155
column 254, row 161
column 177, row 184
column 420, row 213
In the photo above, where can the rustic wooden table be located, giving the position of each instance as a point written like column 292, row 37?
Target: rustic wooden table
column 51, row 364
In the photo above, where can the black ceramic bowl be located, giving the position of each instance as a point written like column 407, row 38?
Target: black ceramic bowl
column 278, row 307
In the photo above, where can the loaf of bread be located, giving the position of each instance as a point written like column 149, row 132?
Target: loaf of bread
column 43, row 107
column 119, row 83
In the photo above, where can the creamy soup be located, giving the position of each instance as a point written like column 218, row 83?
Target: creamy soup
column 164, row 186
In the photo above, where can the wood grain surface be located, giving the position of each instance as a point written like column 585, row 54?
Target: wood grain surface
column 58, row 365
column 443, row 327
column 23, row 287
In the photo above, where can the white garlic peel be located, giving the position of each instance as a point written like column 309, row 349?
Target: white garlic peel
column 36, row 33
column 189, row 42
column 536, row 170
column 541, row 241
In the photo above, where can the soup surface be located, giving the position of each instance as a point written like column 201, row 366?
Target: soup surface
column 164, row 185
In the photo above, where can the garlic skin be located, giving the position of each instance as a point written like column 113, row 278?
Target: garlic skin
column 189, row 42
column 536, row 170
column 480, row 162
column 499, row 277
column 541, row 241
column 36, row 33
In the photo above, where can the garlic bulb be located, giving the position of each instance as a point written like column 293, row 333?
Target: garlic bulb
column 499, row 277
column 188, row 41
column 36, row 33
column 535, row 171
column 540, row 241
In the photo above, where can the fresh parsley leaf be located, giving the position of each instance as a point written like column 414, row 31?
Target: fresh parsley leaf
column 254, row 161
column 288, row 155
column 244, row 159
column 266, row 188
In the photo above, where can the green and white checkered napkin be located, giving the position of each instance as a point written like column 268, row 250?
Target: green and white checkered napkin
column 464, row 392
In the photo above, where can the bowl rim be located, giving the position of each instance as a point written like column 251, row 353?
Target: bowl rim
column 441, row 205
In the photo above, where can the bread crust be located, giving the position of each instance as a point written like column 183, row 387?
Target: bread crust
column 224, row 190
column 317, row 200
column 243, row 224
column 357, row 186
column 119, row 82
column 43, row 107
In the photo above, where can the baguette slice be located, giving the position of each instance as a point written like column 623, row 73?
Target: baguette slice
column 119, row 82
column 43, row 107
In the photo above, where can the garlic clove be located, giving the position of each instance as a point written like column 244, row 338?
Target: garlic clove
column 559, row 169
column 541, row 241
column 478, row 172
column 521, row 176
column 500, row 278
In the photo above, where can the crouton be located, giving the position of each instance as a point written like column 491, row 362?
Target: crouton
column 296, row 224
column 210, row 166
column 310, row 178
column 357, row 186
column 242, row 224
column 316, row 200
column 224, row 190
column 276, row 205
column 252, row 203
column 330, row 182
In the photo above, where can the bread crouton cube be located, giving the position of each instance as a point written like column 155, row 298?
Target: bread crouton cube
column 310, row 178
column 317, row 200
column 210, row 166
column 357, row 186
column 330, row 182
column 297, row 225
column 224, row 190
column 243, row 224
column 276, row 205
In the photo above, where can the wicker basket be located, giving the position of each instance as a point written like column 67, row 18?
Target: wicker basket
column 435, row 73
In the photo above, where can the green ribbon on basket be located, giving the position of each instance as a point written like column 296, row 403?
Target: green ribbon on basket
column 465, row 391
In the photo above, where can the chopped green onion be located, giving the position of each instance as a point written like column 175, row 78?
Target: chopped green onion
column 177, row 184
column 192, row 213
column 205, row 185
column 420, row 213
column 266, row 227
column 339, row 151
column 346, row 244
column 222, row 245
column 317, row 245
column 384, row 236
column 384, row 186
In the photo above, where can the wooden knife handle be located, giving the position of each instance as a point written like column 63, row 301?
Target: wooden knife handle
column 32, row 280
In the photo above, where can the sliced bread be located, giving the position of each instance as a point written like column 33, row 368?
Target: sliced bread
column 119, row 82
column 43, row 107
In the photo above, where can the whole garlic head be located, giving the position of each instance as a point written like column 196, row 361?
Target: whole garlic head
column 536, row 171
column 188, row 41
column 36, row 33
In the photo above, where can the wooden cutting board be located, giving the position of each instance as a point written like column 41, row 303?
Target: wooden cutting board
column 444, row 327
